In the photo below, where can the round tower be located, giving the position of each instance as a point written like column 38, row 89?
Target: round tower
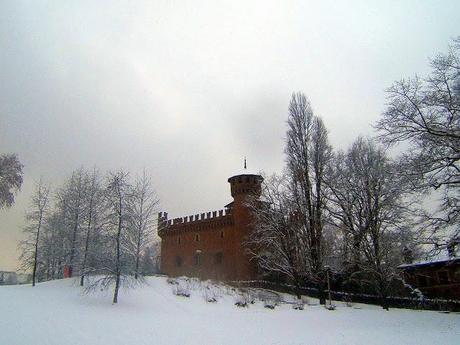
column 241, row 187
column 244, row 185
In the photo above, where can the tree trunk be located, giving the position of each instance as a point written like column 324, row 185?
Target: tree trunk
column 83, row 266
column 139, row 238
column 383, row 295
column 117, row 287
column 384, row 302
column 321, row 293
column 297, row 284
column 118, row 265
column 74, row 240
column 138, row 249
column 34, row 271
column 137, row 267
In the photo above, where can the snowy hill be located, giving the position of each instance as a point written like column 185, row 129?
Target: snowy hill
column 58, row 313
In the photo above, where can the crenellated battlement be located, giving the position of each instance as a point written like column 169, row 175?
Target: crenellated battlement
column 211, row 245
column 216, row 218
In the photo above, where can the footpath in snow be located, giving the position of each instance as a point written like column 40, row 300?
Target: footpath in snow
column 58, row 313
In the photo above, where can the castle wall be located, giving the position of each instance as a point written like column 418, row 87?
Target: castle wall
column 211, row 245
column 208, row 240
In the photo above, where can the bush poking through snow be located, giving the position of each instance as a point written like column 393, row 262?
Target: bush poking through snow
column 270, row 298
column 181, row 291
column 181, row 287
column 210, row 294
column 251, row 296
column 241, row 304
column 270, row 304
column 243, row 300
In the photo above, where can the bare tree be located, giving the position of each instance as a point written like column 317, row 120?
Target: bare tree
column 94, row 212
column 371, row 205
column 117, row 196
column 308, row 159
column 10, row 179
column 52, row 246
column 113, row 266
column 425, row 112
column 274, row 242
column 71, row 199
column 346, row 207
column 142, row 209
column 35, row 219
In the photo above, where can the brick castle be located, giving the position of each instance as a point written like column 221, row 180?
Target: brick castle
column 210, row 245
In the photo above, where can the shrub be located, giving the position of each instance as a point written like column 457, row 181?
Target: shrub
column 270, row 304
column 243, row 300
column 210, row 294
column 181, row 288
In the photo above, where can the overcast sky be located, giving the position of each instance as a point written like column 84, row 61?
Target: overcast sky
column 186, row 89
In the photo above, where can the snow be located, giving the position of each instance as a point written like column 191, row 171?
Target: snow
column 431, row 261
column 58, row 312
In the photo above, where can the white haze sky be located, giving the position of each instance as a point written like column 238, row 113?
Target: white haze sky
column 187, row 89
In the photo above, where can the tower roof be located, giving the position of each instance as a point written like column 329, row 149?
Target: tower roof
column 258, row 176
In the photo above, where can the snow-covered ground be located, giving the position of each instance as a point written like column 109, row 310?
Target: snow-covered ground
column 58, row 313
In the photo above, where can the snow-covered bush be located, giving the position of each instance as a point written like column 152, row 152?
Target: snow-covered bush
column 211, row 293
column 270, row 298
column 252, row 296
column 243, row 300
column 270, row 304
column 241, row 303
column 182, row 287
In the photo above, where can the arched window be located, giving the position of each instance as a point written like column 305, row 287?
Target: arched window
column 178, row 240
column 197, row 237
column 222, row 234
column 197, row 259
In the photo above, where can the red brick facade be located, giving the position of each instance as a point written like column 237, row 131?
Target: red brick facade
column 210, row 245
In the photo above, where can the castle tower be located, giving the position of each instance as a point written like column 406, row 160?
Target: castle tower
column 212, row 245
column 243, row 187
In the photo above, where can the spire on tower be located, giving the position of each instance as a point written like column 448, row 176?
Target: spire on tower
column 245, row 167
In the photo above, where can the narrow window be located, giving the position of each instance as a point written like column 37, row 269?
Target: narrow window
column 197, row 238
column 178, row 261
column 197, row 259
column 218, row 258
column 178, row 240
column 221, row 234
